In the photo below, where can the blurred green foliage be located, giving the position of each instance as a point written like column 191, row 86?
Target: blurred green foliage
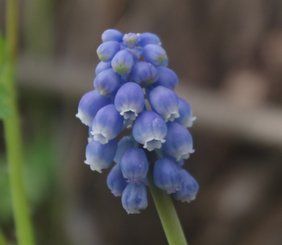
column 39, row 174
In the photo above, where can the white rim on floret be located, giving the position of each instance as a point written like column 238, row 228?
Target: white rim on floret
column 171, row 116
column 153, row 143
column 84, row 118
column 190, row 121
column 184, row 155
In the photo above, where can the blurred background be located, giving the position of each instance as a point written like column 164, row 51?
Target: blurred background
column 228, row 55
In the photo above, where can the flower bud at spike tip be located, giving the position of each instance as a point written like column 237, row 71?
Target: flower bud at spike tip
column 122, row 62
column 149, row 130
column 144, row 73
column 100, row 156
column 130, row 39
column 134, row 198
column 134, row 165
column 107, row 82
column 165, row 102
column 166, row 175
column 107, row 50
column 111, row 35
column 188, row 189
column 155, row 54
column 129, row 100
column 148, row 38
column 88, row 106
column 115, row 181
column 179, row 142
column 107, row 124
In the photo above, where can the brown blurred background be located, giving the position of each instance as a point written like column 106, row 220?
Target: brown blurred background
column 228, row 55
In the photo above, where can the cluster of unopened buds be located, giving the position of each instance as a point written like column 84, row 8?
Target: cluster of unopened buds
column 137, row 123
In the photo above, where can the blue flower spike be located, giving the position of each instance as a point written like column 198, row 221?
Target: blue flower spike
column 88, row 106
column 100, row 156
column 115, row 181
column 122, row 62
column 134, row 115
column 165, row 102
column 134, row 198
column 107, row 124
column 129, row 101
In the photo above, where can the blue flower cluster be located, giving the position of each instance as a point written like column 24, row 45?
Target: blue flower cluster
column 134, row 92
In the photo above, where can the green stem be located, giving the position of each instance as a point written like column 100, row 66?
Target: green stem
column 13, row 133
column 168, row 216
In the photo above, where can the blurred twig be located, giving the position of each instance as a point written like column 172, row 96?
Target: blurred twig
column 262, row 125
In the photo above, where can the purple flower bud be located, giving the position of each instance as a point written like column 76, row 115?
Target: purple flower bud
column 122, row 62
column 149, row 130
column 130, row 40
column 100, row 156
column 148, row 38
column 102, row 66
column 179, row 142
column 144, row 73
column 166, row 175
column 112, row 35
column 165, row 102
column 107, row 82
column 134, row 165
column 88, row 106
column 107, row 50
column 129, row 101
column 186, row 117
column 124, row 144
column 134, row 198
column 155, row 54
column 188, row 189
column 107, row 124
column 166, row 78
column 115, row 181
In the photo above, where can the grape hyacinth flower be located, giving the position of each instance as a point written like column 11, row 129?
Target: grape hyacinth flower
column 134, row 87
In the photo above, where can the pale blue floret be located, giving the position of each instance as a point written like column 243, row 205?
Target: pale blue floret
column 107, row 50
column 129, row 101
column 165, row 102
column 130, row 39
column 107, row 124
column 115, row 181
column 122, row 62
column 111, row 35
column 88, row 106
column 144, row 73
column 179, row 142
column 148, row 38
column 100, row 156
column 134, row 198
column 155, row 54
column 188, row 189
column 186, row 117
column 134, row 165
column 149, row 130
column 102, row 66
column 167, row 78
column 166, row 175
column 124, row 143
column 107, row 82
